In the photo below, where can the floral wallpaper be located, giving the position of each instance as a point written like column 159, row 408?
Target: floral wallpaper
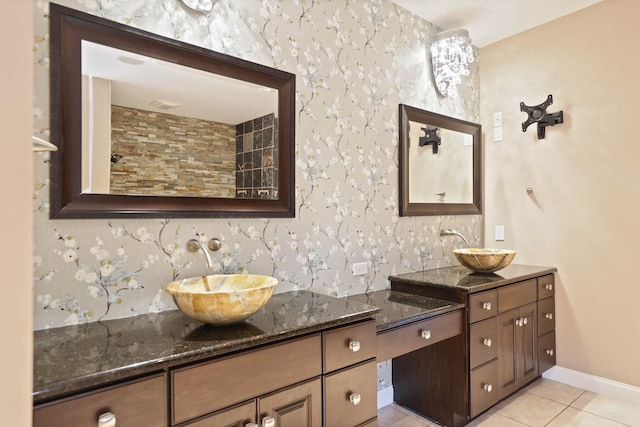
column 355, row 61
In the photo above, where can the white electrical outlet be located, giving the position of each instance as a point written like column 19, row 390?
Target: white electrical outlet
column 499, row 233
column 497, row 119
column 359, row 268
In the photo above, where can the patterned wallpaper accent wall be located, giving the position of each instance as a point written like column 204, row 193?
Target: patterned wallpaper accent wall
column 354, row 61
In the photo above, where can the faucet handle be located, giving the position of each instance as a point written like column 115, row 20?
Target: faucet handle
column 214, row 244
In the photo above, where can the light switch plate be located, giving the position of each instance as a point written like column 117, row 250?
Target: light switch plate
column 359, row 268
column 497, row 119
column 497, row 134
column 499, row 233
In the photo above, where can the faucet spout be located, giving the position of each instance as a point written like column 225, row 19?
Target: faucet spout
column 194, row 245
column 449, row 232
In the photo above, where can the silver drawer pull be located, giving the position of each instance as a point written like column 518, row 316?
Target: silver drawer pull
column 549, row 316
column 486, row 305
column 487, row 387
column 487, row 342
column 354, row 398
column 426, row 334
column 354, row 345
column 548, row 287
column 108, row 419
column 268, row 422
column 550, row 352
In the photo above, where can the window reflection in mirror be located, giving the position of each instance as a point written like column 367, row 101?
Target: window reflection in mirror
column 142, row 136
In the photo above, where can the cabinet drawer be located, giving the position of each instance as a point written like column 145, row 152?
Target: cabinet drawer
column 136, row 403
column 411, row 337
column 512, row 296
column 483, row 305
column 207, row 387
column 238, row 416
column 547, row 351
column 546, row 315
column 546, row 286
column 483, row 344
column 349, row 345
column 484, row 387
column 350, row 396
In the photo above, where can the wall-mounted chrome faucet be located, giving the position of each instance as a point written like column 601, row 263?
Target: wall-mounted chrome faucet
column 449, row 232
column 194, row 245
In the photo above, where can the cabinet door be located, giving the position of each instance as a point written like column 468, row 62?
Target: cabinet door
column 298, row 406
column 507, row 352
column 238, row 416
column 518, row 351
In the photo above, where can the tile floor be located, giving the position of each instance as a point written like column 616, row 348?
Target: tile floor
column 543, row 403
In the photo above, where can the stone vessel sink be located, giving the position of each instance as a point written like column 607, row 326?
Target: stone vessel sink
column 222, row 299
column 483, row 260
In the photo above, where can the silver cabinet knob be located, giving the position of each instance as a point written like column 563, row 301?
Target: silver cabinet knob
column 487, row 342
column 354, row 398
column 426, row 334
column 354, row 345
column 550, row 352
column 487, row 387
column 549, row 316
column 108, row 419
column 486, row 305
column 518, row 322
column 524, row 321
column 548, row 287
column 268, row 422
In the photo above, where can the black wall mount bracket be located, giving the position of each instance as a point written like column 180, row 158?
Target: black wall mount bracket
column 538, row 114
column 430, row 138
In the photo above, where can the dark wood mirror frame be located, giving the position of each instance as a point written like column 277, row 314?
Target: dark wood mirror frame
column 411, row 114
column 68, row 27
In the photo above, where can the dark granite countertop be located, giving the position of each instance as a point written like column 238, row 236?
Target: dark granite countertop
column 400, row 308
column 464, row 280
column 75, row 358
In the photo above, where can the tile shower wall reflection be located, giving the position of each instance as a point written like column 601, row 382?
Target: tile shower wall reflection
column 256, row 158
column 354, row 63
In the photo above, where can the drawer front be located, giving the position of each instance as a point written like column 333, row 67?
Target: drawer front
column 546, row 286
column 483, row 344
column 349, row 345
column 484, row 387
column 411, row 337
column 207, row 387
column 547, row 351
column 512, row 296
column 350, row 396
column 483, row 305
column 546, row 315
column 238, row 416
column 124, row 401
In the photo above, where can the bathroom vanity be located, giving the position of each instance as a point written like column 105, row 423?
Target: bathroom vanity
column 459, row 343
column 508, row 338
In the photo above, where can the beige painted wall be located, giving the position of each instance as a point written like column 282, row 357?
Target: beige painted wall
column 16, row 312
column 585, row 175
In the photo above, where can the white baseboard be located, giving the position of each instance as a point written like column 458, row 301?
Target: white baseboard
column 385, row 396
column 593, row 383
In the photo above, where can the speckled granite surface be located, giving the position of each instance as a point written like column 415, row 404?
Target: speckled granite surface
column 400, row 308
column 464, row 280
column 74, row 358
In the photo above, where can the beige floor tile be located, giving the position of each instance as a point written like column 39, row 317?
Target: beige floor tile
column 396, row 416
column 572, row 417
column 553, row 390
column 493, row 419
column 532, row 410
column 607, row 407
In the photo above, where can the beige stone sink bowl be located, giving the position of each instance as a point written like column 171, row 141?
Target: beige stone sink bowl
column 483, row 260
column 222, row 299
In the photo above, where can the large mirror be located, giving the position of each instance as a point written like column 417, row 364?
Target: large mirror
column 440, row 164
column 148, row 126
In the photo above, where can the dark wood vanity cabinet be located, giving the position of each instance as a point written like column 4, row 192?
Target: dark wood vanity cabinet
column 326, row 378
column 509, row 333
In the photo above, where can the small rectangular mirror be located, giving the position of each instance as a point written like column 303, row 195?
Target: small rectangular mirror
column 440, row 164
